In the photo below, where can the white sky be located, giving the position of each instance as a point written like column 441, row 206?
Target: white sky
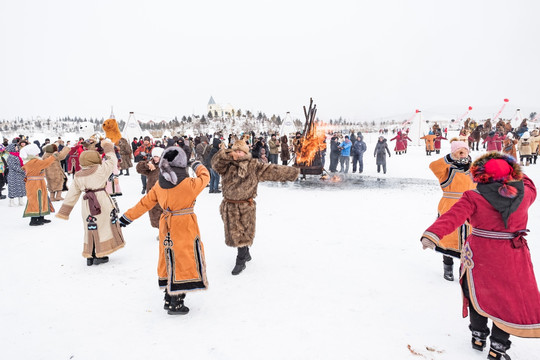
column 357, row 59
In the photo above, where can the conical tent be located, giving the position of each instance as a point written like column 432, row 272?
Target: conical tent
column 287, row 126
column 132, row 128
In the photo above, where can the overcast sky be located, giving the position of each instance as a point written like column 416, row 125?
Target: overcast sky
column 357, row 59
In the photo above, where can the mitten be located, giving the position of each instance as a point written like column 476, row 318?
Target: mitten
column 124, row 221
column 195, row 164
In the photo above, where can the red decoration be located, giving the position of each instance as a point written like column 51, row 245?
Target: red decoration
column 506, row 100
column 417, row 111
column 470, row 108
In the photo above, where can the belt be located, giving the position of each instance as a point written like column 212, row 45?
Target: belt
column 93, row 203
column 518, row 237
column 248, row 201
column 168, row 214
column 452, row 195
column 35, row 178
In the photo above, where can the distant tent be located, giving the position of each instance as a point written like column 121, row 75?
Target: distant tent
column 132, row 128
column 287, row 126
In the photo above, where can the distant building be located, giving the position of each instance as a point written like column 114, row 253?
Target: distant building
column 220, row 110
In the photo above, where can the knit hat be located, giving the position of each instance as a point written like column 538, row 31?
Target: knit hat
column 157, row 151
column 455, row 145
column 173, row 159
column 50, row 148
column 147, row 138
column 495, row 167
column 240, row 145
column 89, row 158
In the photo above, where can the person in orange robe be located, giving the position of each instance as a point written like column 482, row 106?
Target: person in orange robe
column 38, row 203
column 430, row 143
column 181, row 266
column 452, row 171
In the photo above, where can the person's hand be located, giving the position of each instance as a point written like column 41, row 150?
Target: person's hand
column 124, row 221
column 427, row 244
column 151, row 166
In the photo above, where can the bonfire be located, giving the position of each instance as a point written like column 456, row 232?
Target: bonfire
column 312, row 144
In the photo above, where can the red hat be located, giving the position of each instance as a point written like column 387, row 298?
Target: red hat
column 498, row 169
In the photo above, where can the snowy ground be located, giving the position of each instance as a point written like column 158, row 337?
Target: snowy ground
column 338, row 272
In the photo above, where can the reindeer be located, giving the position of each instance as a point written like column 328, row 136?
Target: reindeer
column 475, row 136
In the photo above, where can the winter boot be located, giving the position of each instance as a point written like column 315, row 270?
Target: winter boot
column 449, row 272
column 21, row 201
column 167, row 301
column 241, row 258
column 101, row 260
column 127, row 172
column 177, row 306
column 43, row 220
column 12, row 202
column 34, row 221
column 479, row 337
column 497, row 350
column 52, row 195
column 89, row 261
column 58, row 196
column 121, row 172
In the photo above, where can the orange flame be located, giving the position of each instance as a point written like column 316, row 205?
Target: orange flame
column 312, row 144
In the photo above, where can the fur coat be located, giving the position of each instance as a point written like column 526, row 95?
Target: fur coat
column 240, row 180
column 55, row 174
column 151, row 178
column 125, row 153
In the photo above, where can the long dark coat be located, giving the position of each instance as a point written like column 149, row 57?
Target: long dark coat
column 240, row 180
column 380, row 152
column 16, row 175
column 152, row 177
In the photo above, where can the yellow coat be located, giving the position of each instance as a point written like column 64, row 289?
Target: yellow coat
column 454, row 183
column 181, row 265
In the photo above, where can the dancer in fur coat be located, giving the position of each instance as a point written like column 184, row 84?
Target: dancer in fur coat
column 181, row 266
column 102, row 233
column 497, row 275
column 150, row 169
column 240, row 176
column 56, row 177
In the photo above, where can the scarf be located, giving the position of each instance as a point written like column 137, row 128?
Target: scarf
column 494, row 194
column 16, row 154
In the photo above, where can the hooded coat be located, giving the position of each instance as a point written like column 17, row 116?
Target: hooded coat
column 102, row 229
column 16, row 174
column 239, row 181
column 284, row 154
column 381, row 149
column 181, row 265
column 498, row 270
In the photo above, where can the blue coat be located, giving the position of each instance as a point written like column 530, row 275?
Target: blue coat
column 346, row 148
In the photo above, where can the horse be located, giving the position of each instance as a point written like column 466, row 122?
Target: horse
column 475, row 136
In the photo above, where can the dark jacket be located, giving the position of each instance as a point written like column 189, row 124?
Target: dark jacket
column 359, row 147
column 380, row 152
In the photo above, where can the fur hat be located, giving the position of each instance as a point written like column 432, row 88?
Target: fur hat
column 526, row 135
column 240, row 145
column 30, row 150
column 172, row 157
column 50, row 148
column 509, row 135
column 495, row 167
column 89, row 158
column 157, row 151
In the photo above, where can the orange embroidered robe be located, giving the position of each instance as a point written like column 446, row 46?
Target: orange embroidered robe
column 38, row 202
column 181, row 265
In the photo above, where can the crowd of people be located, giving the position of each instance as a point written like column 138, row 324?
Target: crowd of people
column 482, row 215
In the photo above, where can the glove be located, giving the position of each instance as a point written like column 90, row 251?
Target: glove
column 124, row 221
column 107, row 146
column 195, row 164
column 426, row 243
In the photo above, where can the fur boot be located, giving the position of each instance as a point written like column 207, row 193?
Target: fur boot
column 449, row 272
column 177, row 306
column 58, row 196
column 52, row 195
column 21, row 201
column 12, row 202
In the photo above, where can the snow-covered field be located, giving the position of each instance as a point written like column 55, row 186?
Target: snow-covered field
column 338, row 272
